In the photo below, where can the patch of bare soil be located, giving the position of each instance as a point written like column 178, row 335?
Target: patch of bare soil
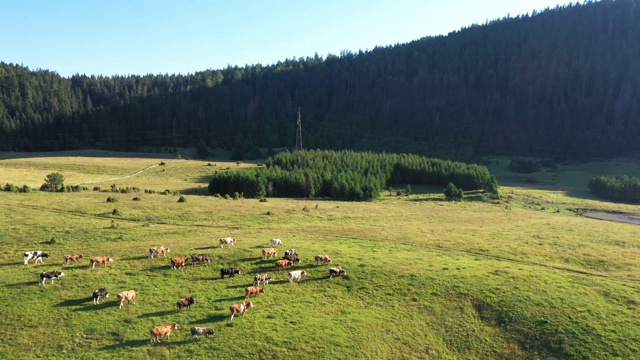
column 625, row 218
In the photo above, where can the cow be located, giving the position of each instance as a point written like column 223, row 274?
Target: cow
column 159, row 250
column 275, row 242
column 128, row 296
column 323, row 258
column 72, row 257
column 252, row 290
column 281, row 264
column 268, row 252
column 240, row 308
column 289, row 252
column 294, row 258
column 261, row 278
column 186, row 302
column 229, row 271
column 179, row 262
column 338, row 270
column 162, row 331
column 35, row 255
column 100, row 260
column 53, row 275
column 197, row 331
column 199, row 258
column 101, row 293
column 296, row 275
column 229, row 241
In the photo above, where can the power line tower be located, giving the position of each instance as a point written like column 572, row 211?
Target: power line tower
column 299, row 132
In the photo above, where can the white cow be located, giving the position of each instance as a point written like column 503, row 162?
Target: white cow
column 296, row 275
column 229, row 241
column 276, row 242
column 37, row 255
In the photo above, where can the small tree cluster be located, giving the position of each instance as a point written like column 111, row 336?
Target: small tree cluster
column 616, row 187
column 452, row 193
column 53, row 182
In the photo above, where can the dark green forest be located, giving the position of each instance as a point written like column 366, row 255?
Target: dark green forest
column 562, row 83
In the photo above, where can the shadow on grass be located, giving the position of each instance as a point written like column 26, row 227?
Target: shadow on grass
column 157, row 314
column 13, row 263
column 26, row 283
column 127, row 344
column 132, row 258
column 236, row 298
column 103, row 305
column 74, row 302
column 211, row 319
column 161, row 268
column 207, row 247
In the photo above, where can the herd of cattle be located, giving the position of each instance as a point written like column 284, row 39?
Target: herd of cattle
column 164, row 331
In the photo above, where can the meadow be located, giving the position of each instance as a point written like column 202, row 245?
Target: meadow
column 523, row 277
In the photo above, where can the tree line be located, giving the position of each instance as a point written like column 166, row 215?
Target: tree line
column 559, row 83
column 616, row 187
column 348, row 175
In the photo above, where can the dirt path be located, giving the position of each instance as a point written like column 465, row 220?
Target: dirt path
column 625, row 218
column 116, row 178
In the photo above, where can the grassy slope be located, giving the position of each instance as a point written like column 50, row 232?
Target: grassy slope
column 521, row 278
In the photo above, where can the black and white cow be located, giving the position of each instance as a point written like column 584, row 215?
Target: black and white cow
column 34, row 255
column 289, row 252
column 261, row 278
column 229, row 271
column 198, row 331
column 53, row 275
column 294, row 258
column 101, row 293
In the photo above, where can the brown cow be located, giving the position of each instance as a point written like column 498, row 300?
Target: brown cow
column 269, row 252
column 253, row 290
column 199, row 258
column 323, row 258
column 100, row 260
column 281, row 264
column 72, row 257
column 129, row 295
column 229, row 241
column 240, row 308
column 162, row 331
column 159, row 250
column 186, row 302
column 179, row 262
column 338, row 270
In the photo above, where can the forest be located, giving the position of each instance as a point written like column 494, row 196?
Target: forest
column 560, row 83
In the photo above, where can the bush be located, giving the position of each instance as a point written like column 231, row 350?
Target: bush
column 96, row 188
column 452, row 193
column 115, row 212
column 53, row 182
column 182, row 199
column 167, row 192
column 263, row 199
column 112, row 200
column 10, row 187
column 25, row 189
column 136, row 199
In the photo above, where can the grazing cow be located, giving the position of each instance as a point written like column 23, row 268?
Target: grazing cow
column 100, row 260
column 179, row 262
column 162, row 331
column 72, row 257
column 199, row 258
column 101, row 293
column 229, row 241
column 294, row 258
column 323, row 258
column 229, row 271
column 338, row 270
column 268, row 252
column 253, row 290
column 186, row 302
column 261, row 278
column 281, row 264
column 240, row 308
column 296, row 275
column 159, row 250
column 53, row 275
column 34, row 255
column 128, row 296
column 275, row 242
column 197, row 331
column 289, row 252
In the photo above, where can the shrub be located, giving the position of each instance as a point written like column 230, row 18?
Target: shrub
column 136, row 199
column 115, row 212
column 53, row 182
column 452, row 193
column 182, row 199
column 167, row 192
column 53, row 240
column 25, row 189
column 10, row 187
column 161, row 163
column 236, row 196
column 111, row 199
column 96, row 188
column 226, row 196
column 263, row 199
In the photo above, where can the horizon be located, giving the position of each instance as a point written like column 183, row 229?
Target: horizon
column 143, row 38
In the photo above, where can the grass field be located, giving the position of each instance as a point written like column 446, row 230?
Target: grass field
column 525, row 277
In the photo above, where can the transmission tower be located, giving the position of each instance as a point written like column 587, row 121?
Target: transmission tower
column 299, row 133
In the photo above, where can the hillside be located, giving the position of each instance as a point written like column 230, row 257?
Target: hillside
column 559, row 83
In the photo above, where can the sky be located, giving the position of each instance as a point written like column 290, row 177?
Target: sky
column 127, row 37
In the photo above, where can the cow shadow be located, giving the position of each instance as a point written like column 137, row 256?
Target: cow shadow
column 74, row 302
column 132, row 258
column 161, row 268
column 13, row 263
column 126, row 344
column 206, row 247
column 101, row 306
column 26, row 283
column 241, row 286
column 157, row 314
column 211, row 319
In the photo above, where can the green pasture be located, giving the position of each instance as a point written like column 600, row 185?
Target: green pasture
column 524, row 277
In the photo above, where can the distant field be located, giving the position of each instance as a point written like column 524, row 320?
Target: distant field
column 523, row 277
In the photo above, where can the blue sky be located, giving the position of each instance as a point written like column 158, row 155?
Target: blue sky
column 166, row 36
